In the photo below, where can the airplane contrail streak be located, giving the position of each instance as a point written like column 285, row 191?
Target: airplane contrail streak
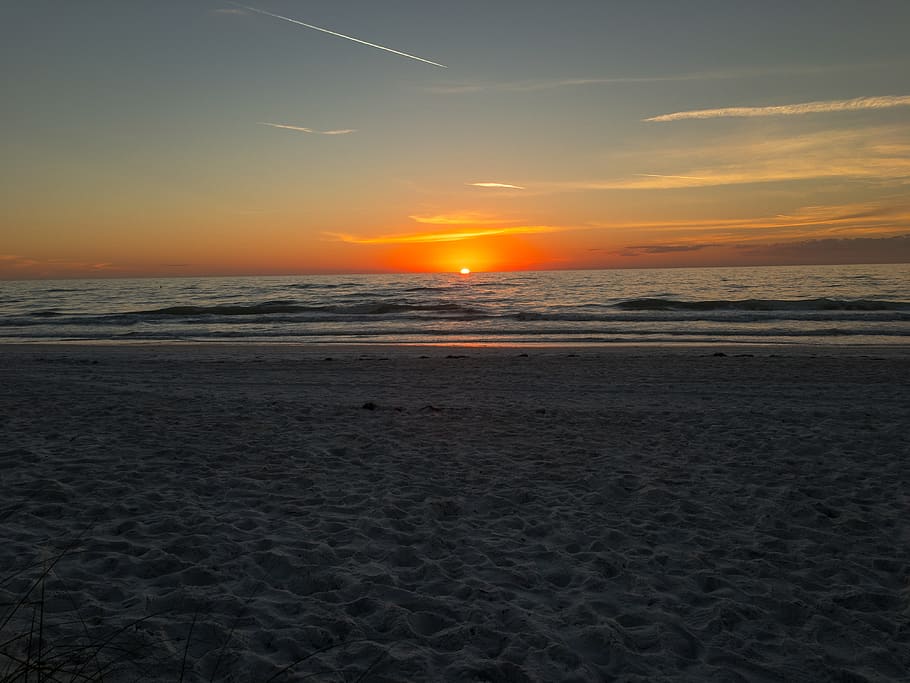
column 341, row 131
column 340, row 35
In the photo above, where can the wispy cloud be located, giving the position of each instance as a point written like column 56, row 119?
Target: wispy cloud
column 501, row 186
column 460, row 219
column 664, row 176
column 15, row 264
column 784, row 171
column 301, row 129
column 21, row 262
column 883, row 219
column 872, row 154
column 339, row 35
column 826, row 107
column 229, row 10
column 533, row 85
column 569, row 82
column 432, row 237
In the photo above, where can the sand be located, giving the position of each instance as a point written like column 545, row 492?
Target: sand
column 437, row 514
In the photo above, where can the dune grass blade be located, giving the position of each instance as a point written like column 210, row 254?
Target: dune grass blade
column 85, row 630
column 230, row 634
column 373, row 665
column 41, row 623
column 28, row 647
column 186, row 648
column 47, row 570
column 103, row 644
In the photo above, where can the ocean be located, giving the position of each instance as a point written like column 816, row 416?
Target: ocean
column 855, row 304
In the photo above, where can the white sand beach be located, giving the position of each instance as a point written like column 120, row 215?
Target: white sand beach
column 213, row 512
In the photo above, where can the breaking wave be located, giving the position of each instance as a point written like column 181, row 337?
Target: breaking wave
column 277, row 307
column 823, row 304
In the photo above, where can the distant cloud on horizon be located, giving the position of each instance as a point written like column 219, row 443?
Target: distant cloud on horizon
column 20, row 264
column 793, row 251
column 832, row 250
column 301, row 129
column 823, row 107
column 652, row 249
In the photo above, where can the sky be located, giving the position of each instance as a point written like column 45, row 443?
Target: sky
column 203, row 137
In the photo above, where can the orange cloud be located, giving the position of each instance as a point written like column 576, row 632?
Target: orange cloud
column 877, row 154
column 430, row 237
column 460, row 219
column 870, row 226
column 14, row 266
column 826, row 107
column 861, row 218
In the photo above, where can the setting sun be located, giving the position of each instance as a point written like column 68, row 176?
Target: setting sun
column 465, row 271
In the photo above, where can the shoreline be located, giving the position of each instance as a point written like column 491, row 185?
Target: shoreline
column 398, row 348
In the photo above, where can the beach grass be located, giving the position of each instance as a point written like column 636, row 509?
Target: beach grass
column 29, row 653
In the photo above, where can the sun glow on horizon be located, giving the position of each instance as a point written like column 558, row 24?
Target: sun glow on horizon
column 465, row 271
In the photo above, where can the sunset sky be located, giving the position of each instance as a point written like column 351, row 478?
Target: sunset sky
column 199, row 137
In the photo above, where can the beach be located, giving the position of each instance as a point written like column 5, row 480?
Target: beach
column 442, row 513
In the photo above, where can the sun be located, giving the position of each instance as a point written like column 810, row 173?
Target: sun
column 465, row 271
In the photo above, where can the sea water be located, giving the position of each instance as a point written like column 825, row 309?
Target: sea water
column 855, row 304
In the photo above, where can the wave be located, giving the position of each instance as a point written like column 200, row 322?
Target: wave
column 439, row 288
column 292, row 314
column 823, row 304
column 321, row 285
column 279, row 307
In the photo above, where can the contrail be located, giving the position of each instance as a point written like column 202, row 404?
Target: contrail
column 342, row 131
column 340, row 35
column 504, row 186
